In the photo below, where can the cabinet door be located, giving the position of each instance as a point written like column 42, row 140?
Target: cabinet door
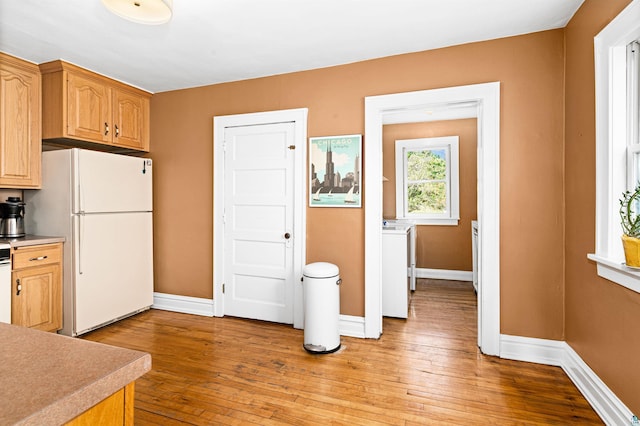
column 395, row 284
column 130, row 120
column 36, row 298
column 115, row 410
column 88, row 109
column 20, row 144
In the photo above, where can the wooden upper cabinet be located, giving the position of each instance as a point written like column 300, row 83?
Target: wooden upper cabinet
column 131, row 118
column 88, row 109
column 20, row 144
column 82, row 106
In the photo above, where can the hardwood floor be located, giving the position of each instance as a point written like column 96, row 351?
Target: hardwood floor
column 424, row 370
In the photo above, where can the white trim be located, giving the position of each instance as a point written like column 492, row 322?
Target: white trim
column 351, row 326
column 486, row 99
column 437, row 222
column 444, row 274
column 616, row 272
column 529, row 349
column 611, row 140
column 559, row 353
column 608, row 406
column 299, row 117
column 449, row 112
column 348, row 325
column 184, row 304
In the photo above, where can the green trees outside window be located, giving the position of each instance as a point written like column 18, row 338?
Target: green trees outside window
column 427, row 181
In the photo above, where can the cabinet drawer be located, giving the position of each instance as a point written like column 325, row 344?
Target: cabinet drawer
column 26, row 257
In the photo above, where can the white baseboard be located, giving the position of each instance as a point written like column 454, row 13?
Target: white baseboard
column 559, row 353
column 444, row 274
column 348, row 325
column 602, row 399
column 351, row 326
column 184, row 304
column 529, row 349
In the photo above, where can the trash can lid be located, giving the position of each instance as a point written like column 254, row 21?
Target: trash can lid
column 320, row 270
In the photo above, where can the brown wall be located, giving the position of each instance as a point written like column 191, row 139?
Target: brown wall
column 602, row 318
column 438, row 247
column 5, row 193
column 530, row 69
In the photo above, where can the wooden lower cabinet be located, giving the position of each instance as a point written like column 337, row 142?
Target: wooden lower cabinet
column 36, row 288
column 115, row 410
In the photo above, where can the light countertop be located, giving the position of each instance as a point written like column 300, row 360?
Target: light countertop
column 49, row 379
column 31, row 240
column 396, row 227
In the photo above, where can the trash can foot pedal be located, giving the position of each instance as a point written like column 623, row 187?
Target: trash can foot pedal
column 319, row 349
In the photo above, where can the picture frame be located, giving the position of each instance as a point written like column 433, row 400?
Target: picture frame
column 335, row 165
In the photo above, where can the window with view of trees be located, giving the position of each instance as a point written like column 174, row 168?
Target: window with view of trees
column 427, row 180
column 617, row 89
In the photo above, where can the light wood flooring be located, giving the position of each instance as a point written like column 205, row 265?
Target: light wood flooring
column 424, row 370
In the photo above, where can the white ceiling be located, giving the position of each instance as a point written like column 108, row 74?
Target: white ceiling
column 214, row 41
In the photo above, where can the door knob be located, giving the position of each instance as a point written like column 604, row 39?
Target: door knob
column 287, row 235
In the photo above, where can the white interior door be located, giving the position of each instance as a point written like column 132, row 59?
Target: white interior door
column 258, row 221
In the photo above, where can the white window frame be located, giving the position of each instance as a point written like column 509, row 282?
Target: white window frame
column 450, row 145
column 633, row 108
column 614, row 131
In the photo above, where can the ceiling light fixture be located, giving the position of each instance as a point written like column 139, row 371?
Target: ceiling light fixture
column 148, row 12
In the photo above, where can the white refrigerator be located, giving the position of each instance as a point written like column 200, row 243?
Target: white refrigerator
column 102, row 204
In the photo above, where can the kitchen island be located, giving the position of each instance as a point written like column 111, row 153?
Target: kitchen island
column 49, row 379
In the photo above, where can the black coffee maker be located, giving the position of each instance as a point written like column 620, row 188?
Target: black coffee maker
column 12, row 218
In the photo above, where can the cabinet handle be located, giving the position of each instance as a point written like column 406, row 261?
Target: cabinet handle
column 18, row 287
column 38, row 258
column 117, row 130
column 106, row 129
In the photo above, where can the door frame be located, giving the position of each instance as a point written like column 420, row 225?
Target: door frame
column 220, row 123
column 486, row 99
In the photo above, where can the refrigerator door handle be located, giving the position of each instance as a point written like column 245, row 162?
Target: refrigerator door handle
column 80, row 206
column 80, row 239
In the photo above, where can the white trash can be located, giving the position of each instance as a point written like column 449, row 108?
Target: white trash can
column 321, row 282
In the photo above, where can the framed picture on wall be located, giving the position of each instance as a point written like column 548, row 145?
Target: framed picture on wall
column 335, row 178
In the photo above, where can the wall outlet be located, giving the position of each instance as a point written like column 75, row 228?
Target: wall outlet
column 635, row 421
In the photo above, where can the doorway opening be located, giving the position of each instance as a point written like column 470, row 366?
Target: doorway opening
column 430, row 180
column 408, row 107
